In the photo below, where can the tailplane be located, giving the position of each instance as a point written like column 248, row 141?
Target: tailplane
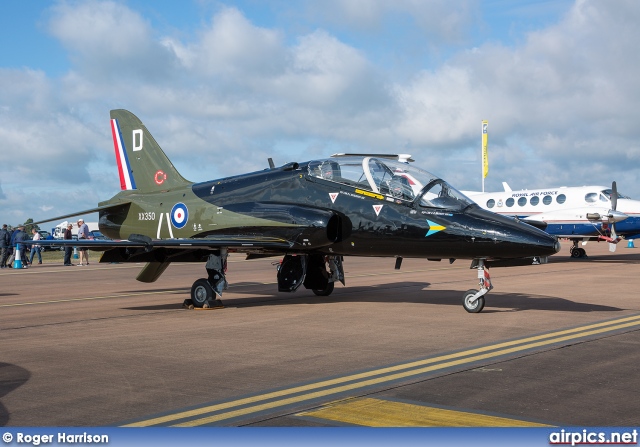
column 142, row 164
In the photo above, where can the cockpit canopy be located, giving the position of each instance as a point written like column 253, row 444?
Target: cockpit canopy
column 602, row 196
column 393, row 179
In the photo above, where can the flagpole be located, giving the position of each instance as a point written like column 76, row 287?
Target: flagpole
column 485, row 154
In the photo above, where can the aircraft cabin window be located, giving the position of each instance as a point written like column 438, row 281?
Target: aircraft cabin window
column 547, row 200
column 510, row 202
column 522, row 201
column 534, row 200
column 561, row 199
column 603, row 198
column 592, row 197
column 491, row 203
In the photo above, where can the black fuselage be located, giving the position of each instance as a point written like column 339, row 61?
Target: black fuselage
column 358, row 222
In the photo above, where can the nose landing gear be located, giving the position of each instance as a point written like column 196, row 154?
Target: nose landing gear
column 473, row 300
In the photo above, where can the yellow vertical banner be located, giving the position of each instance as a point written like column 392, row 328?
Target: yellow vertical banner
column 485, row 153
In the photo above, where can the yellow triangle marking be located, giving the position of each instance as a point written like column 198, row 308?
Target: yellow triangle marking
column 383, row 413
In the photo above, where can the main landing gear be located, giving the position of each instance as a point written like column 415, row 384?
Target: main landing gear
column 206, row 292
column 316, row 272
column 473, row 300
column 577, row 252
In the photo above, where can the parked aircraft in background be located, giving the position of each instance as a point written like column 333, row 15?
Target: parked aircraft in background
column 581, row 214
column 314, row 214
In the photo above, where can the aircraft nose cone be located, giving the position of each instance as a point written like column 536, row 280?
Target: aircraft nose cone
column 517, row 239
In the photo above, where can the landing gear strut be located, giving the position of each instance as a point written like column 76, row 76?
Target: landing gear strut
column 206, row 292
column 473, row 300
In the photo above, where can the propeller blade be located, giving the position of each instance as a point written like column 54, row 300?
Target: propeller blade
column 612, row 246
column 614, row 204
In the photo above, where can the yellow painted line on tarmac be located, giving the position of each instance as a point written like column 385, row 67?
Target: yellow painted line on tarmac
column 370, row 412
column 324, row 388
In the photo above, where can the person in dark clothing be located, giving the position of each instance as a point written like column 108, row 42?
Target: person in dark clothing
column 18, row 237
column 5, row 246
column 68, row 249
column 12, row 247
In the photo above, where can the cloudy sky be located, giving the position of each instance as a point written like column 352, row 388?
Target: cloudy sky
column 223, row 85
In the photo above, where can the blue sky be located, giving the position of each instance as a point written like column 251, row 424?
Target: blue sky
column 28, row 43
column 225, row 85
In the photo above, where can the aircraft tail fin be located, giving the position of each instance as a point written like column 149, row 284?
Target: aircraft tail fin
column 142, row 164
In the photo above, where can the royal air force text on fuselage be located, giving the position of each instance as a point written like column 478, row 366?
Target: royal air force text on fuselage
column 531, row 194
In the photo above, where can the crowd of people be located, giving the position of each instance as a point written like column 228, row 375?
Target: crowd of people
column 9, row 240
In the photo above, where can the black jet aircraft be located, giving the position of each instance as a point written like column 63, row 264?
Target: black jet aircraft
column 314, row 214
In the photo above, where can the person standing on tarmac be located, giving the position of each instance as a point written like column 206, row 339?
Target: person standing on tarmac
column 5, row 245
column 83, row 233
column 35, row 248
column 68, row 249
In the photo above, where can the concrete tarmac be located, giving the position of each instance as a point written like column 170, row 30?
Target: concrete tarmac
column 557, row 344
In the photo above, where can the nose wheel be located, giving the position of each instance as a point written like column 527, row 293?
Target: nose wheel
column 470, row 305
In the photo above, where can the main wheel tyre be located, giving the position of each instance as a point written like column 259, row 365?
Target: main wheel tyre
column 474, row 307
column 201, row 292
column 582, row 252
column 575, row 253
column 326, row 291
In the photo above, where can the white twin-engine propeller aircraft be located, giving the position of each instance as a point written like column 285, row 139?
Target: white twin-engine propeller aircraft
column 577, row 213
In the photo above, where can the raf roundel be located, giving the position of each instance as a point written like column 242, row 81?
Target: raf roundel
column 179, row 215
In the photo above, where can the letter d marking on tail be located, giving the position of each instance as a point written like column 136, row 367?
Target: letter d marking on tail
column 137, row 140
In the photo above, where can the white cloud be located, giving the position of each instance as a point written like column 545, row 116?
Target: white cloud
column 442, row 20
column 568, row 92
column 232, row 46
column 103, row 35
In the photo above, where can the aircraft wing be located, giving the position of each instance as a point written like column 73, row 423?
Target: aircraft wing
column 139, row 241
column 81, row 213
column 159, row 253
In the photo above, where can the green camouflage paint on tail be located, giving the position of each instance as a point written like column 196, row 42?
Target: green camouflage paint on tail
column 142, row 164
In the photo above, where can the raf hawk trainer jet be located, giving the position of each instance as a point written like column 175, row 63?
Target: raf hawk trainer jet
column 313, row 214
